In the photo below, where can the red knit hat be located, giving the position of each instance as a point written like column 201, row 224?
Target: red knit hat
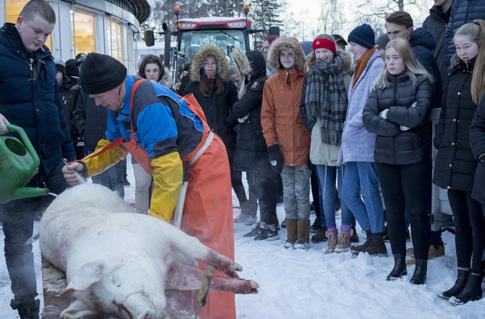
column 324, row 43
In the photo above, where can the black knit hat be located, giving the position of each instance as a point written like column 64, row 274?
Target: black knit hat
column 101, row 73
column 363, row 35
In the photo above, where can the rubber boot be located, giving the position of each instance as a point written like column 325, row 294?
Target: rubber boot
column 472, row 290
column 420, row 270
column 399, row 269
column 460, row 283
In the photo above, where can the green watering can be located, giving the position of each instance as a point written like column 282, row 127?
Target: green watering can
column 18, row 164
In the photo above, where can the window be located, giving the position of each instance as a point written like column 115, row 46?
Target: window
column 114, row 29
column 83, row 32
column 13, row 8
column 191, row 41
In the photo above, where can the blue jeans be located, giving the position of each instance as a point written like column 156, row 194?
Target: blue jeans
column 327, row 176
column 360, row 192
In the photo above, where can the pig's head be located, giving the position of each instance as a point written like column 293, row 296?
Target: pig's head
column 131, row 289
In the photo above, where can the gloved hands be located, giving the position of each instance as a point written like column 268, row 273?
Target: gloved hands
column 383, row 114
column 3, row 125
column 275, row 158
column 74, row 173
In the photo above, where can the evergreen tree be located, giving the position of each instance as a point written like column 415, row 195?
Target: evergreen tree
column 265, row 14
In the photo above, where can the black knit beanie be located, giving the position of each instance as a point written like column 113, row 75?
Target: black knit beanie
column 363, row 35
column 101, row 73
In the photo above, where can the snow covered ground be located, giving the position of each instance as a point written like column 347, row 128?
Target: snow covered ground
column 298, row 284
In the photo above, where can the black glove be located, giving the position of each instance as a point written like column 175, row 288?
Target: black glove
column 275, row 158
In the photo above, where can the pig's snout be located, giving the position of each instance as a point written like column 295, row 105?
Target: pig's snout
column 138, row 306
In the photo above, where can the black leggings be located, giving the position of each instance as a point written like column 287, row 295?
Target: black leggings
column 407, row 188
column 469, row 229
column 266, row 182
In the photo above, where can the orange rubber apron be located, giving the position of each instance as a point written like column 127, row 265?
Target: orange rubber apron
column 207, row 213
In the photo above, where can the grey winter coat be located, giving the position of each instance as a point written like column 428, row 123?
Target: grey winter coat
column 357, row 142
column 394, row 145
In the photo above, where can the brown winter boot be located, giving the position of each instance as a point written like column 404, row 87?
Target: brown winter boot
column 303, row 234
column 376, row 246
column 291, row 233
column 344, row 240
column 332, row 241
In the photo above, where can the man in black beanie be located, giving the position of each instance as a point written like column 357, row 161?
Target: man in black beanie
column 165, row 134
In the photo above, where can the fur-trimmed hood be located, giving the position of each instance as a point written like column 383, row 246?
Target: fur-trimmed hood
column 199, row 58
column 241, row 61
column 346, row 58
column 285, row 42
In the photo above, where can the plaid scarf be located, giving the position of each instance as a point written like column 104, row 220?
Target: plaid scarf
column 326, row 98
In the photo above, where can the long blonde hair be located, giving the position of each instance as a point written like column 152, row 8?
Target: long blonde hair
column 478, row 78
column 413, row 67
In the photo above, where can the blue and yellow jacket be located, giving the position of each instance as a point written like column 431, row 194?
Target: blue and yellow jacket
column 165, row 128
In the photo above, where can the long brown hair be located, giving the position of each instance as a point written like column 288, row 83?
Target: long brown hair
column 205, row 85
column 478, row 79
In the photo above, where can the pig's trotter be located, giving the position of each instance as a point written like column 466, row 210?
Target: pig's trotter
column 223, row 263
column 205, row 286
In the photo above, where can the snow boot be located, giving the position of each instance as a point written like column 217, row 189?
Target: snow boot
column 332, row 241
column 419, row 275
column 344, row 240
column 253, row 232
column 399, row 269
column 461, row 279
column 376, row 246
column 302, row 234
column 27, row 310
column 316, row 225
column 471, row 292
column 320, row 236
column 291, row 233
column 358, row 248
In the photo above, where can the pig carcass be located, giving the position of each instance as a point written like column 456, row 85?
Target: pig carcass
column 120, row 263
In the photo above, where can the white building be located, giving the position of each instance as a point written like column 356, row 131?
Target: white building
column 84, row 26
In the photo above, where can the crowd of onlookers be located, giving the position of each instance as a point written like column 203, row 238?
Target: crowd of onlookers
column 351, row 125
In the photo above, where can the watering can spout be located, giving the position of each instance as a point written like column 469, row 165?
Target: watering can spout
column 28, row 192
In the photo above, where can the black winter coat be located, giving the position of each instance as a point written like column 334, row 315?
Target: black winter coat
column 250, row 144
column 436, row 24
column 477, row 141
column 423, row 45
column 393, row 145
column 455, row 165
column 217, row 110
column 69, row 92
column 462, row 12
column 29, row 98
column 90, row 121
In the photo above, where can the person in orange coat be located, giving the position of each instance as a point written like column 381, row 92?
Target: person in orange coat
column 287, row 138
column 165, row 133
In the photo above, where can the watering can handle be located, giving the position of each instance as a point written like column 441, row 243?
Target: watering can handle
column 28, row 145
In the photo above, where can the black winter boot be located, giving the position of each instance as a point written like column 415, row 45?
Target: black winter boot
column 472, row 290
column 27, row 310
column 376, row 246
column 399, row 269
column 419, row 275
column 320, row 237
column 460, row 283
column 358, row 248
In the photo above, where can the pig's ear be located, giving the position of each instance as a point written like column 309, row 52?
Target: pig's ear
column 89, row 274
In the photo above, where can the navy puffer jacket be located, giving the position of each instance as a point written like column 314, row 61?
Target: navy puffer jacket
column 462, row 12
column 29, row 98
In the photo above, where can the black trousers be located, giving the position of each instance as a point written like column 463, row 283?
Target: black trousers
column 407, row 188
column 469, row 229
column 266, row 182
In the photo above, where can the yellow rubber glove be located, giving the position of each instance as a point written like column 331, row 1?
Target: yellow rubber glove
column 99, row 163
column 167, row 178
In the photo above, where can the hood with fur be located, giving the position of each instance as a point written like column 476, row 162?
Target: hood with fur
column 282, row 43
column 241, row 61
column 199, row 58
